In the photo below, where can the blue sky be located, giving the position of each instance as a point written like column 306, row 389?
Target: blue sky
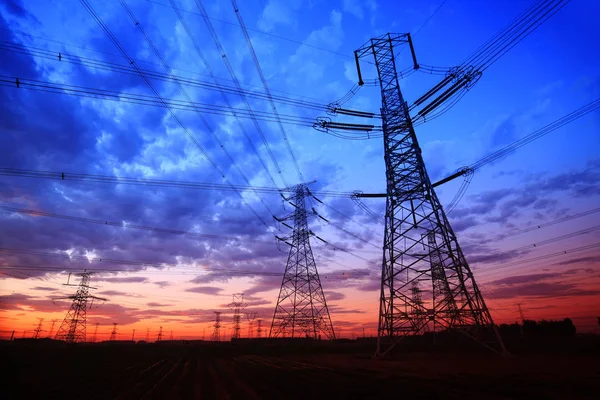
column 552, row 72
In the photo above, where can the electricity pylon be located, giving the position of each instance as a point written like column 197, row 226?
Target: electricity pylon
column 95, row 334
column 237, row 305
column 73, row 326
column 52, row 327
column 301, row 309
column 415, row 220
column 250, row 317
column 259, row 328
column 160, row 335
column 216, row 336
column 38, row 329
column 113, row 334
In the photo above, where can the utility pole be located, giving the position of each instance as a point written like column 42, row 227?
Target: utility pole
column 95, row 332
column 52, row 327
column 237, row 305
column 203, row 333
column 415, row 218
column 147, row 335
column 133, row 335
column 522, row 324
column 12, row 335
column 216, row 337
column 73, row 326
column 301, row 309
column 113, row 334
column 38, row 329
column 159, row 338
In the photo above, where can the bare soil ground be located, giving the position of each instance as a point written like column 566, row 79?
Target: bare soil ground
column 279, row 371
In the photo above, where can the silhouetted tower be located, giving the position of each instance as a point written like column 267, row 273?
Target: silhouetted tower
column 237, row 305
column 159, row 337
column 95, row 332
column 133, row 335
column 73, row 326
column 113, row 334
column 414, row 217
column 171, row 335
column 216, row 337
column 259, row 328
column 52, row 327
column 147, row 335
column 521, row 314
column 38, row 329
column 301, row 309
column 250, row 317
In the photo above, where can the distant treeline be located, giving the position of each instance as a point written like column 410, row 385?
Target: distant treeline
column 543, row 328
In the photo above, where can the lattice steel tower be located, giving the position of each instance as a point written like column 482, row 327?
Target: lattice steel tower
column 301, row 309
column 237, row 305
column 420, row 248
column 216, row 336
column 73, row 326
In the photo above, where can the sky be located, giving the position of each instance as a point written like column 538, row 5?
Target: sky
column 505, row 222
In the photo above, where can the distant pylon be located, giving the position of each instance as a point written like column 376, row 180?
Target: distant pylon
column 52, row 327
column 159, row 337
column 250, row 317
column 38, row 329
column 521, row 314
column 237, row 305
column 301, row 309
column 95, row 332
column 147, row 335
column 113, row 334
column 216, row 337
column 73, row 326
column 259, row 328
column 171, row 336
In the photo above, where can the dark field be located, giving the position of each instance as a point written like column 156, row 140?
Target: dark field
column 247, row 370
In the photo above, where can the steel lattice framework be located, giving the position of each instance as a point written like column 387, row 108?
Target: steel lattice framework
column 73, row 326
column 301, row 309
column 426, row 280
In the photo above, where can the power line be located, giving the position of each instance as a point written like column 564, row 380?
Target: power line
column 349, row 56
column 266, row 87
column 200, row 115
column 544, row 225
column 234, row 78
column 79, row 177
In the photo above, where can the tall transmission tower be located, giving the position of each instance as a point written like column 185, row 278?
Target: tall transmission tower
column 73, row 326
column 52, row 327
column 301, row 309
column 113, row 334
column 38, row 329
column 95, row 332
column 415, row 220
column 147, row 335
column 171, row 336
column 216, row 337
column 237, row 305
column 159, row 337
column 250, row 317
column 259, row 328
